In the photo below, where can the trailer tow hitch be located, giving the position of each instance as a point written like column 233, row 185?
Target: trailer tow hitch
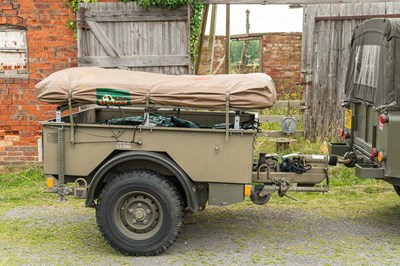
column 282, row 186
column 261, row 194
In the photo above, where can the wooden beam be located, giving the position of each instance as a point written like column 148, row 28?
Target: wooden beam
column 290, row 2
column 250, row 36
column 280, row 134
column 276, row 118
column 156, row 14
column 227, row 39
column 211, row 39
column 284, row 104
column 246, row 42
column 358, row 17
column 204, row 16
column 261, row 55
column 103, row 39
column 135, row 61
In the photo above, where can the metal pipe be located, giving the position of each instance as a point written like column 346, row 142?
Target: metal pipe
column 273, row 188
column 309, row 189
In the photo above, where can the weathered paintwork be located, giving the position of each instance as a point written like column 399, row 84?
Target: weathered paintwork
column 206, row 155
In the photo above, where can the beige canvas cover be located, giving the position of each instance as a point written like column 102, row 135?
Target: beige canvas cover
column 91, row 85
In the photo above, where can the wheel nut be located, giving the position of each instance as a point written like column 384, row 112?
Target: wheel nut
column 148, row 211
column 145, row 221
column 130, row 210
column 134, row 221
column 139, row 205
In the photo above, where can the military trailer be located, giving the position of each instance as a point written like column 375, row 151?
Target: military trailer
column 156, row 146
column 372, row 106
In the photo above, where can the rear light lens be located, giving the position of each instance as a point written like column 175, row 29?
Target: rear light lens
column 381, row 156
column 346, row 134
column 384, row 118
column 50, row 182
column 374, row 153
column 247, row 190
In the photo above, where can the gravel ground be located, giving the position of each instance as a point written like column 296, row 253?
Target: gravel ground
column 242, row 234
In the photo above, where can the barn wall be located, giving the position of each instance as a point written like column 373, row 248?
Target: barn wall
column 325, row 55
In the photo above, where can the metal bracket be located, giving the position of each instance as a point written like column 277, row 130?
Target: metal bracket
column 236, row 125
column 81, row 22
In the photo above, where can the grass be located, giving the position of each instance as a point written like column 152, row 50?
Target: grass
column 36, row 229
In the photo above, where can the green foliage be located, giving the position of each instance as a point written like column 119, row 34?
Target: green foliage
column 170, row 4
column 21, row 184
column 297, row 145
column 73, row 4
column 252, row 51
column 21, row 177
column 195, row 27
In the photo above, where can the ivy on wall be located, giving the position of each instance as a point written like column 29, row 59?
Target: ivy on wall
column 195, row 22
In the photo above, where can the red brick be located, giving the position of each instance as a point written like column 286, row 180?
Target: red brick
column 6, row 6
column 9, row 12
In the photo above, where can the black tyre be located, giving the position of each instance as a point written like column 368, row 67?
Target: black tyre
column 255, row 195
column 140, row 213
column 397, row 189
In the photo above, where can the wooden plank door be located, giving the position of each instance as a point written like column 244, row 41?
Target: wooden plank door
column 122, row 35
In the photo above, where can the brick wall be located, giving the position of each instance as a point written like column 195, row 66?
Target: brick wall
column 51, row 47
column 282, row 60
column 281, row 56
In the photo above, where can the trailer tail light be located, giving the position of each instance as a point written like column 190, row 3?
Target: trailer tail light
column 374, row 153
column 50, row 182
column 247, row 190
column 384, row 118
column 381, row 156
column 346, row 134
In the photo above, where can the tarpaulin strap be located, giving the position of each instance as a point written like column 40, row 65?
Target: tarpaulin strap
column 147, row 99
column 71, row 117
column 227, row 104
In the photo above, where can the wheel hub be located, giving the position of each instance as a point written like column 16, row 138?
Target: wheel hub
column 140, row 213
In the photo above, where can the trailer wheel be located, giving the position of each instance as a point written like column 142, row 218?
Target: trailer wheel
column 397, row 189
column 255, row 195
column 140, row 213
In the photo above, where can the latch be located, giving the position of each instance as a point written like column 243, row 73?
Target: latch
column 80, row 188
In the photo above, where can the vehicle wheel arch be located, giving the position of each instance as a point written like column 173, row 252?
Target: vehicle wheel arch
column 155, row 158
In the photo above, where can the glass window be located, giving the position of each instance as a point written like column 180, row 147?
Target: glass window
column 367, row 65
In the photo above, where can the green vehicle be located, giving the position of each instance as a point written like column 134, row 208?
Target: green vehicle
column 156, row 146
column 372, row 105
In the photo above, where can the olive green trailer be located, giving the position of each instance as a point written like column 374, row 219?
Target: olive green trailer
column 143, row 164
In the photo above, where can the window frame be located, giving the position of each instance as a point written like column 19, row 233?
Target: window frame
column 21, row 73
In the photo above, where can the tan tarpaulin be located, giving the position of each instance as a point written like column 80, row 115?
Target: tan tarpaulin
column 90, row 85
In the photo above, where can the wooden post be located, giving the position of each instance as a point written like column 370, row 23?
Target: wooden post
column 200, row 42
column 246, row 42
column 261, row 55
column 227, row 39
column 211, row 38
